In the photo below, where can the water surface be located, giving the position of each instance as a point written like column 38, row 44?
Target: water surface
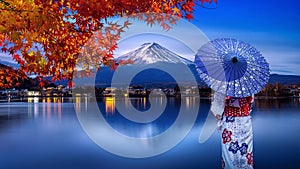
column 47, row 134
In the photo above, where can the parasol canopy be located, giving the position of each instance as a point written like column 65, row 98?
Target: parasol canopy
column 232, row 67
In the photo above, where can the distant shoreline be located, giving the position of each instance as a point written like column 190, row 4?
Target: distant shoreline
column 25, row 99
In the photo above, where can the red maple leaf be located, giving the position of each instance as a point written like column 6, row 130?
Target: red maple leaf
column 189, row 16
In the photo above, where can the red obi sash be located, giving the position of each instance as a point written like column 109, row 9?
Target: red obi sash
column 237, row 106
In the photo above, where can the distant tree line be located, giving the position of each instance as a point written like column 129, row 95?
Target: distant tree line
column 278, row 90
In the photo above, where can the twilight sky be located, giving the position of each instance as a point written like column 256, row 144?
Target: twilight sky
column 273, row 27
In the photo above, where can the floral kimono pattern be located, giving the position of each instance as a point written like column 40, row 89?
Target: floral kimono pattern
column 236, row 130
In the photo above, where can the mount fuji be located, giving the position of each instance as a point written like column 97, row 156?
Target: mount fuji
column 150, row 57
column 149, row 53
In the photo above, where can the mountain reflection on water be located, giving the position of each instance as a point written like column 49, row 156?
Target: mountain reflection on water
column 166, row 119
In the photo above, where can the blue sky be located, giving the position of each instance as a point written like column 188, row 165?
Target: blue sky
column 273, row 27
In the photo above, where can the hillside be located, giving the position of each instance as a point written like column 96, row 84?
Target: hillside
column 284, row 79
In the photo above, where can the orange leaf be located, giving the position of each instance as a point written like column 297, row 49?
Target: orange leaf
column 176, row 10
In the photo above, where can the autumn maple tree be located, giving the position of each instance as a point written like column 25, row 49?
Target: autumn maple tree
column 47, row 37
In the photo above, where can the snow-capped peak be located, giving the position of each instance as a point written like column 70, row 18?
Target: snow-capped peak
column 149, row 53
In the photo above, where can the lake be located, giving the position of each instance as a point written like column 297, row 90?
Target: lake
column 45, row 133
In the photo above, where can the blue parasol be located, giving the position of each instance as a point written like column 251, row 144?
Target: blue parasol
column 232, row 67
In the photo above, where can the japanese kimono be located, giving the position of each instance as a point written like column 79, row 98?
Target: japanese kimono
column 236, row 131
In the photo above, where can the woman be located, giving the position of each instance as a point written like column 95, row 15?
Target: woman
column 236, row 129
